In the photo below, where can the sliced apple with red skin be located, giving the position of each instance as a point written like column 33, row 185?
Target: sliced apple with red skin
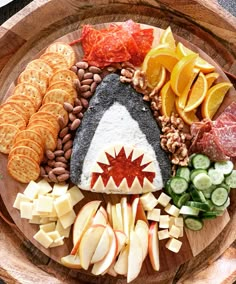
column 71, row 261
column 109, row 213
column 102, row 247
column 121, row 265
column 119, row 217
column 99, row 218
column 101, row 266
column 153, row 246
column 104, row 212
column 89, row 243
column 121, row 240
column 135, row 257
column 140, row 214
column 134, row 208
column 126, row 215
column 142, row 229
column 83, row 221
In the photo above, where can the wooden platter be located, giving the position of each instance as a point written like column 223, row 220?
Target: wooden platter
column 30, row 45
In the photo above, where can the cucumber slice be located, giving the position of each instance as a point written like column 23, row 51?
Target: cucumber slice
column 180, row 200
column 193, row 223
column 202, row 181
column 207, row 192
column 231, row 179
column 168, row 189
column 183, row 172
column 198, row 205
column 187, row 210
column 223, row 207
column 197, row 195
column 179, row 185
column 201, row 161
column 219, row 196
column 190, row 164
column 225, row 167
column 196, row 172
column 216, row 175
column 210, row 204
column 209, row 215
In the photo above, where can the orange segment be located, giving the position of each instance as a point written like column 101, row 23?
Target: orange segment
column 214, row 98
column 197, row 93
column 188, row 117
column 211, row 77
column 167, row 100
column 168, row 38
column 182, row 73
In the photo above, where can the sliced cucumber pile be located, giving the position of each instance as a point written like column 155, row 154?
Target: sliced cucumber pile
column 201, row 190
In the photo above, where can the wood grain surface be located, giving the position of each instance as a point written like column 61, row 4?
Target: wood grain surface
column 21, row 38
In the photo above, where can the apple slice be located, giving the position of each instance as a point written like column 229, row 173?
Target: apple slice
column 99, row 218
column 134, row 208
column 101, row 266
column 104, row 212
column 135, row 257
column 121, row 265
column 141, row 229
column 140, row 214
column 89, row 243
column 102, row 247
column 109, row 213
column 153, row 246
column 71, row 261
column 126, row 215
column 119, row 217
column 83, row 221
column 121, row 240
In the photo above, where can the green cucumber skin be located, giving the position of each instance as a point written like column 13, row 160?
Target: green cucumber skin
column 201, row 161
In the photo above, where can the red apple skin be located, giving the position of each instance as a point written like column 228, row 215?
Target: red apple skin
column 151, row 248
column 140, row 214
column 102, row 209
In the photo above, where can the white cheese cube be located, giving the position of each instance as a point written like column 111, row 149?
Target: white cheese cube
column 54, row 235
column 63, row 205
column 49, row 227
column 67, row 219
column 164, row 221
column 52, row 219
column 35, row 220
column 63, row 232
column 60, row 189
column 20, row 198
column 75, row 194
column 154, row 214
column 31, row 190
column 148, row 201
column 44, row 220
column 174, row 231
column 45, row 204
column 44, row 187
column 179, row 221
column 26, row 209
column 173, row 245
column 58, row 242
column 163, row 234
column 43, row 238
column 35, row 212
column 181, row 234
column 53, row 213
column 171, row 221
column 163, row 199
column 172, row 210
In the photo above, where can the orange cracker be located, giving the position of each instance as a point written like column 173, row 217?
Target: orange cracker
column 15, row 107
column 58, row 96
column 63, row 75
column 55, row 60
column 65, row 86
column 7, row 135
column 53, row 126
column 24, row 102
column 13, row 118
column 56, row 109
column 31, row 144
column 42, row 66
column 26, row 151
column 29, row 134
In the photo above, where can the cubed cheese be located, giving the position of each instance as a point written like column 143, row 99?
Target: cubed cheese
column 20, row 198
column 45, row 204
column 164, row 221
column 75, row 194
column 49, row 227
column 163, row 234
column 32, row 190
column 54, row 235
column 68, row 219
column 53, row 219
column 179, row 222
column 35, row 220
column 53, row 213
column 35, row 212
column 44, row 220
column 172, row 210
column 154, row 214
column 173, row 245
column 63, row 232
column 181, row 234
column 63, row 205
column 174, row 231
column 44, row 187
column 148, row 201
column 58, row 242
column 60, row 189
column 43, row 238
column 26, row 209
column 171, row 221
column 163, row 199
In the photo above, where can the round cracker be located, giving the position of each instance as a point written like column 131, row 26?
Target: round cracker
column 26, row 151
column 7, row 135
column 56, row 109
column 58, row 96
column 63, row 75
column 55, row 60
column 23, row 168
column 40, row 65
column 46, row 116
column 30, row 91
column 24, row 102
column 65, row 86
column 29, row 134
column 65, row 49
column 15, row 107
column 53, row 126
column 35, row 78
column 31, row 144
column 13, row 118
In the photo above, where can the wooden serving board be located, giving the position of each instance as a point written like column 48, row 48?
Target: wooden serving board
column 193, row 243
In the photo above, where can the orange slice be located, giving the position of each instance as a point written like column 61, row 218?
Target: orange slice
column 202, row 64
column 168, row 38
column 188, row 117
column 211, row 77
column 182, row 73
column 197, row 93
column 167, row 100
column 214, row 98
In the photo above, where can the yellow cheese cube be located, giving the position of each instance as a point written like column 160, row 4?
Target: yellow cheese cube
column 171, row 221
column 63, row 205
column 45, row 204
column 67, row 219
column 26, row 209
column 20, row 198
column 49, row 227
column 163, row 234
column 57, row 242
column 163, row 199
column 164, row 221
column 43, row 238
column 63, row 232
column 54, row 235
column 173, row 245
column 44, row 187
column 35, row 220
column 31, row 190
column 44, row 220
column 179, row 222
column 181, row 234
column 75, row 194
column 148, row 201
column 35, row 212
column 60, row 189
column 172, row 210
column 174, row 231
column 53, row 219
column 154, row 214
